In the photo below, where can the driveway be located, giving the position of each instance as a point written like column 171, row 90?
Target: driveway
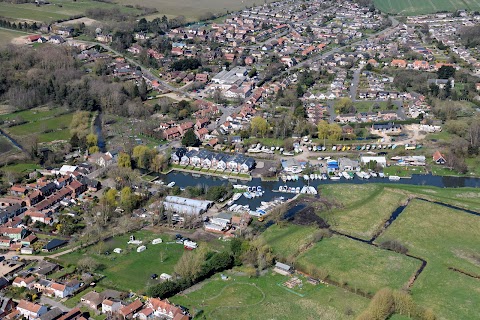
column 46, row 300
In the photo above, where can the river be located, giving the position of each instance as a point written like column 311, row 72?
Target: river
column 184, row 180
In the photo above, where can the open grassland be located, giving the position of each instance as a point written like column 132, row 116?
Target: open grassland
column 48, row 125
column 21, row 167
column 130, row 270
column 411, row 7
column 358, row 264
column 348, row 195
column 264, row 297
column 6, row 36
column 56, row 10
column 365, row 216
column 286, row 241
column 192, row 9
column 445, row 238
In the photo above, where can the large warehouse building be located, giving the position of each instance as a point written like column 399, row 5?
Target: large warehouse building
column 186, row 206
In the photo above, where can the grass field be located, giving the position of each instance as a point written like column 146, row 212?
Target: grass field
column 6, row 36
column 445, row 238
column 21, row 167
column 410, row 7
column 131, row 270
column 359, row 265
column 56, row 10
column 49, row 125
column 264, row 297
column 192, row 9
column 364, row 217
column 287, row 240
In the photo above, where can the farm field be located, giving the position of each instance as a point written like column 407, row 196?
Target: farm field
column 130, row 270
column 192, row 9
column 21, row 167
column 363, row 218
column 286, row 241
column 56, row 10
column 264, row 297
column 359, row 265
column 446, row 238
column 409, row 7
column 49, row 125
column 6, row 36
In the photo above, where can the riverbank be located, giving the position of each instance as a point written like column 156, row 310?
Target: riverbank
column 237, row 176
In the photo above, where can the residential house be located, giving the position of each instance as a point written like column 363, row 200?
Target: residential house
column 74, row 314
column 439, row 158
column 399, row 63
column 163, row 309
column 111, row 306
column 347, row 129
column 30, row 310
column 54, row 244
column 6, row 306
column 127, row 311
column 52, row 314
column 171, row 133
column 61, row 290
column 24, row 282
column 177, row 155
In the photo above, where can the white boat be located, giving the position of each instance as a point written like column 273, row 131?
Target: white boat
column 306, row 177
column 225, row 177
column 289, row 178
column 346, row 175
column 324, row 176
column 334, row 178
column 381, row 175
column 312, row 177
column 171, row 184
column 359, row 174
column 240, row 186
column 247, row 195
column 393, row 178
column 231, row 202
column 297, row 190
column 288, row 153
column 366, row 175
column 236, row 196
column 374, row 174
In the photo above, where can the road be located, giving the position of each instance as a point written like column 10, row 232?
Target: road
column 354, row 85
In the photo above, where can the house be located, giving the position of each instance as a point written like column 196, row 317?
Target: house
column 346, row 164
column 390, row 127
column 61, row 290
column 54, row 244
column 177, row 155
column 31, row 310
column 92, row 300
column 283, row 269
column 127, row 311
column 441, row 83
column 201, row 123
column 74, row 314
column 163, row 309
column 52, row 314
column 6, row 306
column 399, row 63
column 56, row 39
column 24, row 282
column 77, row 188
column 171, row 133
column 439, row 158
column 347, row 129
column 110, row 306
column 421, row 65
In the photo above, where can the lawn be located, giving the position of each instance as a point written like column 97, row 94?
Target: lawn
column 46, row 124
column 364, row 218
column 446, row 238
column 131, row 270
column 31, row 114
column 402, row 171
column 264, row 297
column 286, row 241
column 56, row 10
column 350, row 195
column 358, row 264
column 408, row 7
column 21, row 167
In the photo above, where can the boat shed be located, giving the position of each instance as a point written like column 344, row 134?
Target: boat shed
column 186, row 205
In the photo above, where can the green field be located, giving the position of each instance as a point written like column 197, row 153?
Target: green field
column 192, row 9
column 286, row 241
column 445, row 238
column 131, row 270
column 49, row 125
column 264, row 297
column 56, row 10
column 6, row 36
column 410, row 7
column 359, row 265
column 363, row 217
column 21, row 167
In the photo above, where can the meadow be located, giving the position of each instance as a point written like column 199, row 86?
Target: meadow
column 56, row 10
column 359, row 265
column 410, row 7
column 363, row 213
column 130, row 270
column 48, row 124
column 241, row 297
column 446, row 238
column 286, row 241
column 6, row 36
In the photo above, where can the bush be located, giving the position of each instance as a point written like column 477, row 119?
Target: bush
column 394, row 245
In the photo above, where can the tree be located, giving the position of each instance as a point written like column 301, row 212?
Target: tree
column 93, row 149
column 334, row 132
column 344, row 105
column 190, row 139
column 124, row 160
column 142, row 89
column 92, row 140
column 323, row 129
column 111, row 197
column 258, row 125
column 190, row 263
column 446, row 72
column 368, row 67
column 252, row 73
column 88, row 264
column 126, row 198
